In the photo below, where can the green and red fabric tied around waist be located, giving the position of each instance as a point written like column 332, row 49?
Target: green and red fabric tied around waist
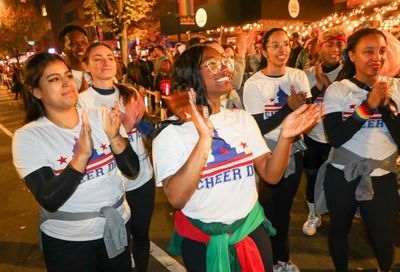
column 228, row 246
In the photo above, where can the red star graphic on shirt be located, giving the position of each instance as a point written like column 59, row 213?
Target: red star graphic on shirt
column 244, row 145
column 352, row 106
column 62, row 160
column 223, row 151
column 103, row 146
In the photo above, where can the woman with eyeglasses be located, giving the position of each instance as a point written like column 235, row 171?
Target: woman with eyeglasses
column 69, row 159
column 230, row 100
column 363, row 125
column 270, row 95
column 205, row 157
column 140, row 191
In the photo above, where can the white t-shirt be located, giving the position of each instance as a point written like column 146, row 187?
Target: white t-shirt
column 78, row 78
column 227, row 190
column 264, row 94
column 89, row 99
column 373, row 140
column 41, row 143
column 231, row 100
column 318, row 132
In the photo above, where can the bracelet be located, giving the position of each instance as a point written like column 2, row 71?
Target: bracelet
column 363, row 113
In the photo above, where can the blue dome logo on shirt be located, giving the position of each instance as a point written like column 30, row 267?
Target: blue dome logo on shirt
column 275, row 103
column 281, row 96
column 228, row 165
column 76, row 146
column 94, row 156
column 221, row 150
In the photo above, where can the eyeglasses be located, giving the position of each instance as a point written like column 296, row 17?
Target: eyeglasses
column 275, row 45
column 215, row 65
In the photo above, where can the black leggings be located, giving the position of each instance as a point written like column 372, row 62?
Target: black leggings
column 194, row 253
column 141, row 202
column 315, row 155
column 378, row 215
column 277, row 202
column 83, row 256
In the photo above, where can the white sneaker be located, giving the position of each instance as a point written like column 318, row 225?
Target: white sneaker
column 291, row 267
column 285, row 267
column 311, row 225
column 279, row 267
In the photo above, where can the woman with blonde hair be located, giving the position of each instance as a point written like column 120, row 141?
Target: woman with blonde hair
column 140, row 191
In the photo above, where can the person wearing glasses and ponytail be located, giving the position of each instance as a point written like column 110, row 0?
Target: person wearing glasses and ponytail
column 270, row 95
column 363, row 126
column 205, row 158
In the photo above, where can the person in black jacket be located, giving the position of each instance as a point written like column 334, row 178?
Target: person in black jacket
column 296, row 49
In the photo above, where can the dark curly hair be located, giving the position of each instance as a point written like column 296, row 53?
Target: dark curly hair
column 67, row 29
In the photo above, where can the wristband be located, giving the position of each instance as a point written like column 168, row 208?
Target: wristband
column 363, row 113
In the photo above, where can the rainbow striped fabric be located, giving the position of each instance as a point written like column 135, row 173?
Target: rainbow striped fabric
column 186, row 7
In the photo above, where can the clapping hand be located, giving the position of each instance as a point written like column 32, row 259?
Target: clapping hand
column 85, row 137
column 295, row 100
column 300, row 120
column 201, row 121
column 323, row 81
column 178, row 104
column 134, row 110
column 244, row 41
column 111, row 121
column 183, row 105
column 379, row 96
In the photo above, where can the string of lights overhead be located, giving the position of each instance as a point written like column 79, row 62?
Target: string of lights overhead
column 383, row 17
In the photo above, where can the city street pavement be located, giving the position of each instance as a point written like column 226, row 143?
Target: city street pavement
column 20, row 252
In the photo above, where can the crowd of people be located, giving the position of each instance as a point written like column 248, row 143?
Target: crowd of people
column 246, row 120
column 10, row 77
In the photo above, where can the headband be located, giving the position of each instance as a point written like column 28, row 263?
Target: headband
column 337, row 38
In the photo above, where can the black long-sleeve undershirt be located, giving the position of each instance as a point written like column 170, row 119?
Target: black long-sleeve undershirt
column 128, row 161
column 52, row 191
column 274, row 121
column 392, row 123
column 339, row 131
column 315, row 92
